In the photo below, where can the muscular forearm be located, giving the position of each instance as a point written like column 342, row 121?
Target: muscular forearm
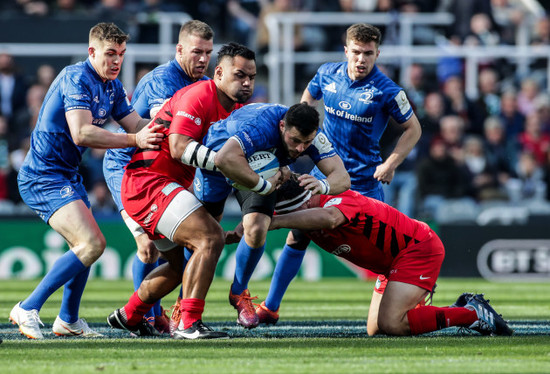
column 96, row 137
column 339, row 182
column 309, row 219
column 405, row 144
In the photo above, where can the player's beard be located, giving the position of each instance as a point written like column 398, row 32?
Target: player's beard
column 242, row 97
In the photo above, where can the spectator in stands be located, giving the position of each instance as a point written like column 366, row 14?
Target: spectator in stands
column 541, row 31
column 533, row 139
column 244, row 19
column 91, row 167
column 45, row 74
column 439, row 178
column 508, row 15
column 25, row 119
column 528, row 186
column 499, row 151
column 276, row 6
column 546, row 170
column 4, row 151
column 510, row 115
column 488, row 102
column 8, row 175
column 464, row 11
column 417, row 87
column 68, row 8
column 529, row 89
column 13, row 87
column 483, row 177
column 542, row 106
column 452, row 134
column 434, row 109
column 37, row 8
column 482, row 31
column 111, row 10
column 458, row 104
column 401, row 193
column 101, row 202
column 422, row 34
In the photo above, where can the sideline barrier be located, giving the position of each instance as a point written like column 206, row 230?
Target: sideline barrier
column 29, row 247
column 495, row 252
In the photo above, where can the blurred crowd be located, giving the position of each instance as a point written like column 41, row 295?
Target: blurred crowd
column 474, row 150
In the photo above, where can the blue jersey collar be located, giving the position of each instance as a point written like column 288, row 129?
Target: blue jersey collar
column 180, row 69
column 93, row 72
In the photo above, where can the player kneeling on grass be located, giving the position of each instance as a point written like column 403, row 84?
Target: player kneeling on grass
column 375, row 236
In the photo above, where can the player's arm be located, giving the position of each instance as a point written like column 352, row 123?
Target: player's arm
column 408, row 139
column 336, row 182
column 190, row 152
column 306, row 96
column 85, row 134
column 231, row 161
column 309, row 219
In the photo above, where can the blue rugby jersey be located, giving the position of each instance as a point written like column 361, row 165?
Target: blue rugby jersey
column 156, row 86
column 77, row 86
column 256, row 127
column 356, row 115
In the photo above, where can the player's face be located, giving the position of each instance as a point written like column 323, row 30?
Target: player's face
column 294, row 141
column 361, row 58
column 106, row 58
column 235, row 77
column 193, row 54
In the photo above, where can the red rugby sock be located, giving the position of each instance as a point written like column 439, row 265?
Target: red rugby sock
column 136, row 309
column 191, row 311
column 432, row 318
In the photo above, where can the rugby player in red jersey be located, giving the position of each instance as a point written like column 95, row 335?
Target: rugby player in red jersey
column 155, row 194
column 375, row 236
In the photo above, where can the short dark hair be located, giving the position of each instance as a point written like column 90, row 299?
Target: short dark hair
column 290, row 195
column 195, row 27
column 230, row 50
column 303, row 117
column 364, row 33
column 108, row 32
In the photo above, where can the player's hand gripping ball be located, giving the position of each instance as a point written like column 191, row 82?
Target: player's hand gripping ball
column 263, row 163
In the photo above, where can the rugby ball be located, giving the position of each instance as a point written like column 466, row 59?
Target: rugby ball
column 263, row 163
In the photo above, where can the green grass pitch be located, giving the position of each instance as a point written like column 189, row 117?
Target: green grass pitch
column 321, row 330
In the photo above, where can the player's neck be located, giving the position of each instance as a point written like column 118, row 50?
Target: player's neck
column 225, row 101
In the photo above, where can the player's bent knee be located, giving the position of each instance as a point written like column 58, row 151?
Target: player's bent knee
column 255, row 234
column 97, row 246
column 392, row 326
column 148, row 255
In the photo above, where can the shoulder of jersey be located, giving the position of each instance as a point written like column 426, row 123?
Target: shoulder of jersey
column 331, row 67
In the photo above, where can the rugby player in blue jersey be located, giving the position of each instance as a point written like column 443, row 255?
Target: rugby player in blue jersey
column 193, row 52
column 287, row 132
column 78, row 103
column 359, row 101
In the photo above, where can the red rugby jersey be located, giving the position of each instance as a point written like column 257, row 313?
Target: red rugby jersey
column 189, row 112
column 374, row 234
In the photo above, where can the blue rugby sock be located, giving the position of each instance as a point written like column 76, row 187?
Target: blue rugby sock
column 286, row 269
column 63, row 270
column 139, row 271
column 72, row 293
column 247, row 258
